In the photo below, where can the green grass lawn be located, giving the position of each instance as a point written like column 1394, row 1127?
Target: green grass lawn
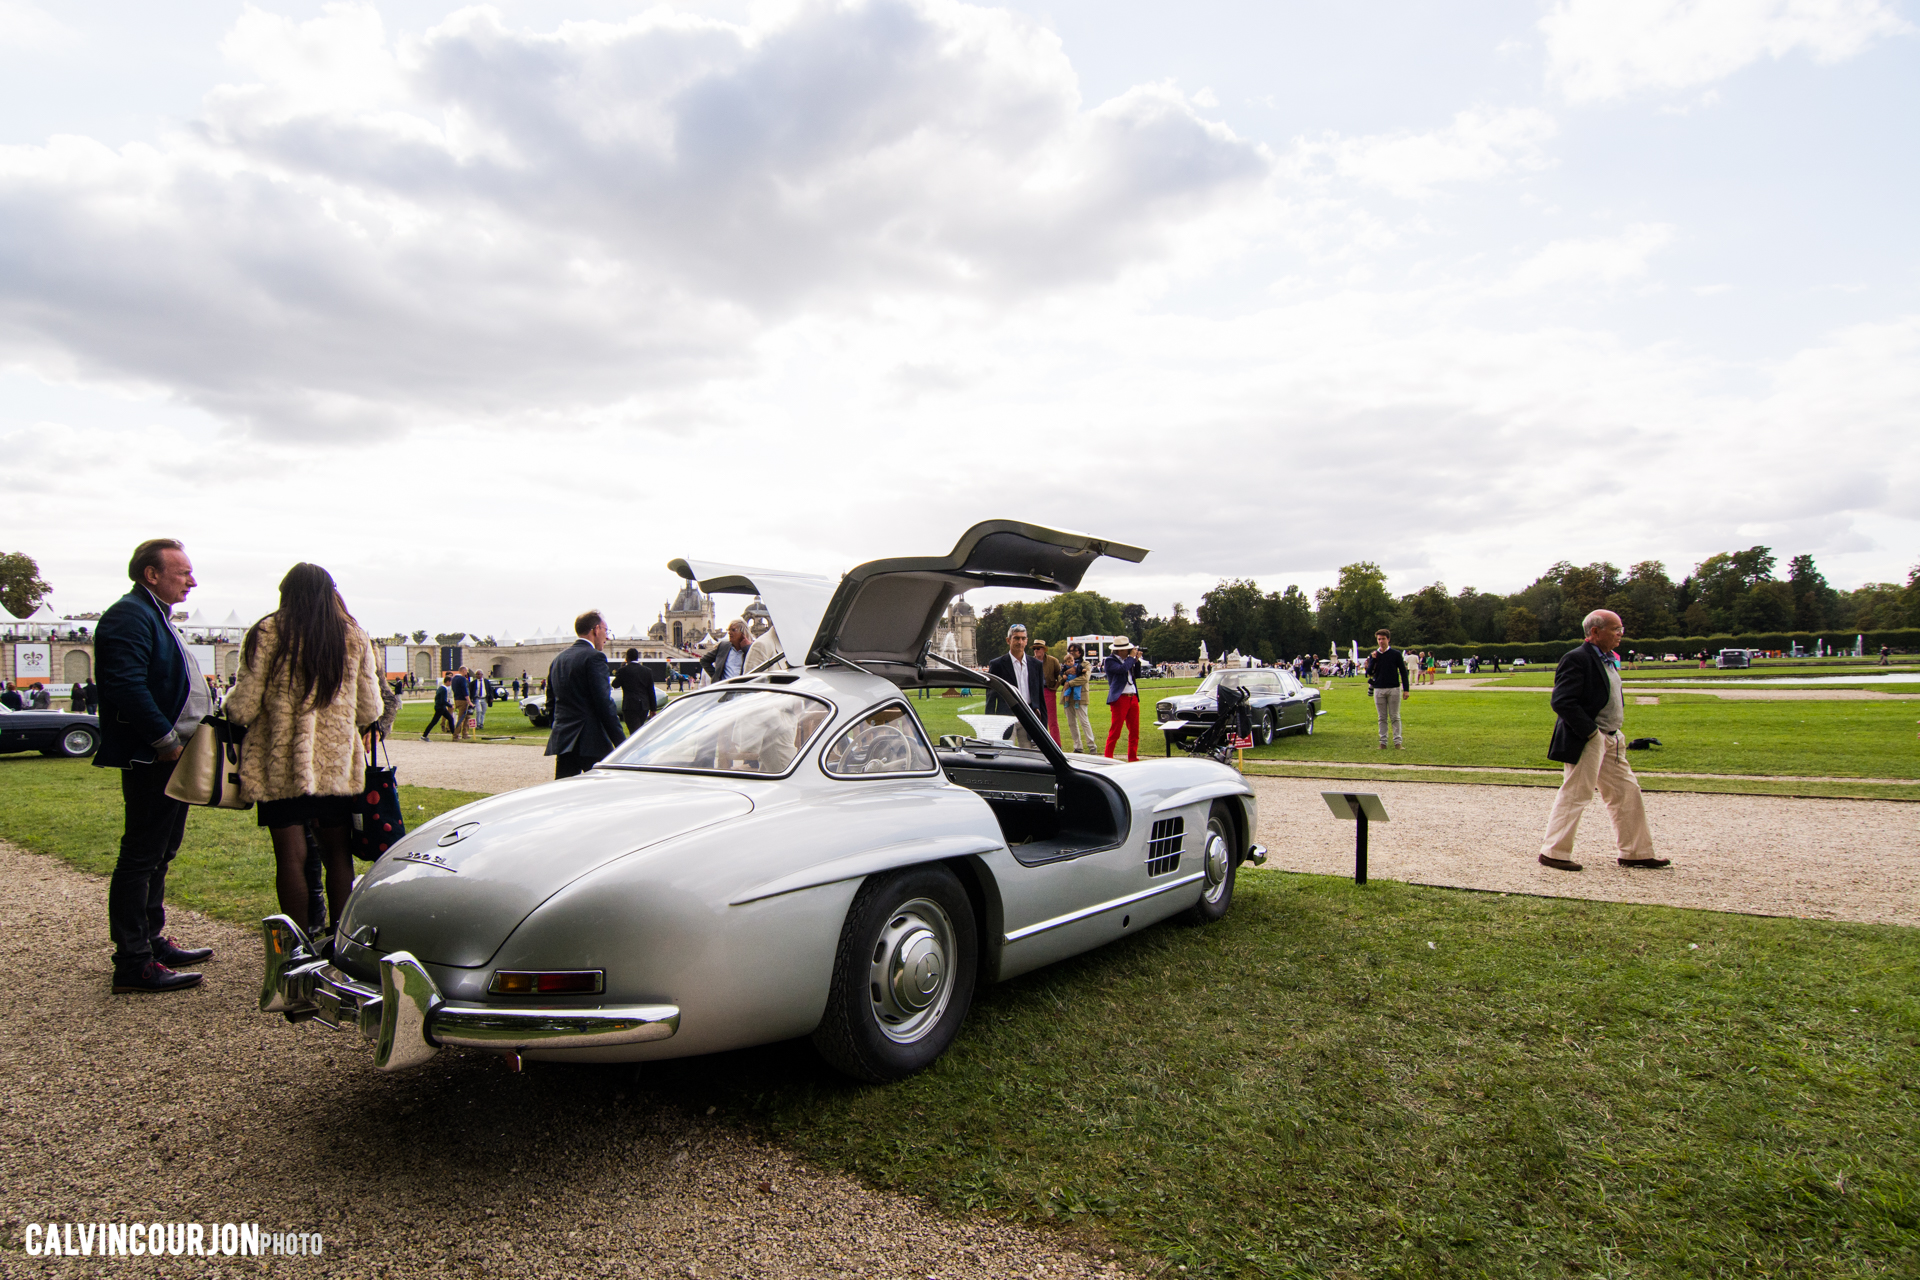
column 224, row 869
column 505, row 721
column 1399, row 1081
column 1699, row 733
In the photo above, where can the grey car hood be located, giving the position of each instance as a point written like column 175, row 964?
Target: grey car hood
column 455, row 903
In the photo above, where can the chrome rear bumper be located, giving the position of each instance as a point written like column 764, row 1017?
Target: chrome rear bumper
column 409, row 1022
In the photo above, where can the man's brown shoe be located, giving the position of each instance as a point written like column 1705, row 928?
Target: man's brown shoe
column 1559, row 864
column 1653, row 863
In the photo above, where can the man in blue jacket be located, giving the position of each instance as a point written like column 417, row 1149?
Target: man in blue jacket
column 152, row 698
column 1588, row 742
column 1123, row 697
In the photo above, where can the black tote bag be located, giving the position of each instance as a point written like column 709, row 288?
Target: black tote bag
column 377, row 823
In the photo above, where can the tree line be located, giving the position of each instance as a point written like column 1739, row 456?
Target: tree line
column 1731, row 592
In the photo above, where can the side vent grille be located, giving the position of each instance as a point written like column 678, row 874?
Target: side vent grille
column 1163, row 848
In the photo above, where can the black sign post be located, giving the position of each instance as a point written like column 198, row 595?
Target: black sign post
column 1356, row 808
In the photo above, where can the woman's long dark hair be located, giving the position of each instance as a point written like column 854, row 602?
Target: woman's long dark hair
column 312, row 622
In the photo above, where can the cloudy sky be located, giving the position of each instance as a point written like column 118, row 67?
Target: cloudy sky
column 494, row 310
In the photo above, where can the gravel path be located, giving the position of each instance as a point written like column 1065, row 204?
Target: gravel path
column 469, row 766
column 195, row 1107
column 1763, row 855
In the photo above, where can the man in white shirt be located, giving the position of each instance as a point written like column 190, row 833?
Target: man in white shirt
column 1023, row 671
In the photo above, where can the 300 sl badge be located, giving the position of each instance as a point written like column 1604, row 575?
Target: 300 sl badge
column 429, row 857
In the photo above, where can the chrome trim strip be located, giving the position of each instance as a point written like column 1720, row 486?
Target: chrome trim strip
column 553, row 1028
column 1074, row 916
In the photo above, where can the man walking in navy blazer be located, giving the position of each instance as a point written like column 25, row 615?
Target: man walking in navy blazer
column 1588, row 742
column 152, row 698
column 580, row 693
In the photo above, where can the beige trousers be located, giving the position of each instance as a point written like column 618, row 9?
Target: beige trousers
column 1603, row 764
column 1075, row 726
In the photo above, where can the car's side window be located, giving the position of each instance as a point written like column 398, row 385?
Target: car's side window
column 885, row 741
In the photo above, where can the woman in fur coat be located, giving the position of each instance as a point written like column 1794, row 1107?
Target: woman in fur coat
column 309, row 689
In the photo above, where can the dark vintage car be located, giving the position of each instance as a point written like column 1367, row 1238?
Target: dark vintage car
column 1278, row 704
column 51, row 733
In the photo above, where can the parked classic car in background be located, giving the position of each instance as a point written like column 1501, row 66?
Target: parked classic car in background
column 1278, row 703
column 779, row 855
column 51, row 733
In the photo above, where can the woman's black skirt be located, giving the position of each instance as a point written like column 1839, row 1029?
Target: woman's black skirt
column 322, row 811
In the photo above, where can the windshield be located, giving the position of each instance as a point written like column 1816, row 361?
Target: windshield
column 1242, row 679
column 734, row 731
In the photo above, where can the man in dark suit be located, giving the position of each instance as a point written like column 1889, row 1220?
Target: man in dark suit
column 1024, row 673
column 442, row 708
column 1588, row 742
column 151, row 700
column 635, row 683
column 579, row 693
column 93, row 698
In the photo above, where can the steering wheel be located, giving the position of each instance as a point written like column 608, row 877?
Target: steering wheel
column 884, row 748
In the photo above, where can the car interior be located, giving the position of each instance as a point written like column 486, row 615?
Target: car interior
column 1047, row 809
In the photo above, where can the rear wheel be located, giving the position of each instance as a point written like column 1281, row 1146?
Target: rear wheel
column 1219, row 858
column 903, row 977
column 78, row 741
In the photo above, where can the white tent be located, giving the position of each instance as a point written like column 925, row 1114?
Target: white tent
column 506, row 638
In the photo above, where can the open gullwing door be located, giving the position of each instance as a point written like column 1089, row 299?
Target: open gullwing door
column 795, row 601
column 884, row 612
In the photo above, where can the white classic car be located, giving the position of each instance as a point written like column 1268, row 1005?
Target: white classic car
column 778, row 855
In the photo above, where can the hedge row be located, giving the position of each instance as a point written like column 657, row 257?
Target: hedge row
column 1903, row 639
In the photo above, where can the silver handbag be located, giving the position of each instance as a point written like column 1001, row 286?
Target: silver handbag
column 208, row 771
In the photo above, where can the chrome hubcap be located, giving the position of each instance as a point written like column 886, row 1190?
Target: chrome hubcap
column 910, row 979
column 1219, row 860
column 79, row 741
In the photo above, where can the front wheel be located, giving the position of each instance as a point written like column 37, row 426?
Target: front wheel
column 1219, row 858
column 903, row 976
column 78, row 741
column 1263, row 732
column 1313, row 713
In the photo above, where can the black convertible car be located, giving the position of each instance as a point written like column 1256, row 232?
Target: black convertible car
column 51, row 733
column 1278, row 704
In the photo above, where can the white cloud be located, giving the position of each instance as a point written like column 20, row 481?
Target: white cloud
column 1481, row 143
column 1603, row 49
column 1566, row 265
column 32, row 29
column 486, row 222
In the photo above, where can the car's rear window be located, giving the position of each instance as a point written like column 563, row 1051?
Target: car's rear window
column 757, row 731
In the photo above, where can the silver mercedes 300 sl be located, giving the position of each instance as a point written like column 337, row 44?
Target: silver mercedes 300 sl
column 782, row 854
